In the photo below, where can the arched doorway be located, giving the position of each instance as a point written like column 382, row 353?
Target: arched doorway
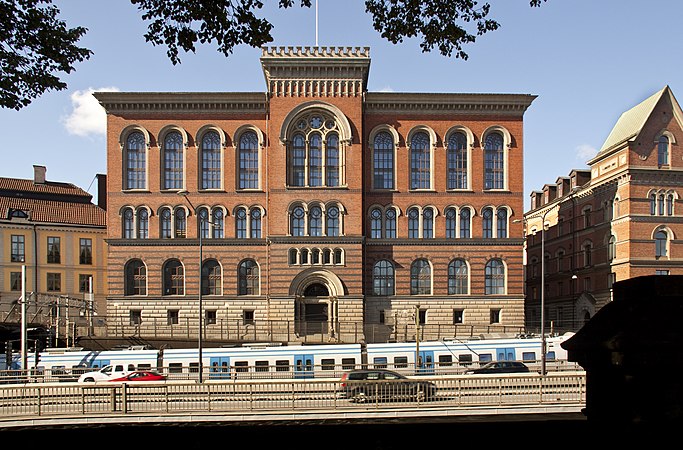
column 316, row 293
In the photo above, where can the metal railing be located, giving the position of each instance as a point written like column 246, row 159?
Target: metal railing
column 111, row 399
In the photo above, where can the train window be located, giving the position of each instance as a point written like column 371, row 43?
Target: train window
column 241, row 366
column 119, row 368
column 175, row 368
column 261, row 366
column 380, row 362
column 348, row 363
column 194, row 367
column 528, row 356
column 550, row 356
column 327, row 364
column 131, row 367
column 465, row 360
column 485, row 357
column 282, row 365
column 144, row 366
column 400, row 361
column 445, row 360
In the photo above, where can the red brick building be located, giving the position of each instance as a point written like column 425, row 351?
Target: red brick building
column 325, row 210
column 614, row 221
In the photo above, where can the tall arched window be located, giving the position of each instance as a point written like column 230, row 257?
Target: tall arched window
column 332, row 160
column 298, row 161
column 315, row 221
column 465, row 223
column 458, row 277
column 211, row 160
column 661, row 244
column 180, row 223
column 135, row 278
column 218, row 220
column 420, row 161
column 494, row 277
column 428, row 223
column 128, row 224
column 487, row 223
column 451, row 223
column 332, row 228
column 255, row 224
column 502, row 223
column 457, row 161
column 663, row 151
column 383, row 278
column 314, row 153
column 420, row 277
column 173, row 161
column 143, row 224
column 494, row 162
column 611, row 248
column 248, row 278
column 241, row 223
column 383, row 161
column 249, row 161
column 211, row 278
column 390, row 224
column 376, row 223
column 203, row 219
column 297, row 220
column 136, row 161
column 173, row 278
column 165, row 223
column 413, row 223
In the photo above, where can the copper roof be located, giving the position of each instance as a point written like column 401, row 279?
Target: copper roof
column 49, row 202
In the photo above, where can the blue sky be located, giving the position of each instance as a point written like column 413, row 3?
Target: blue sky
column 586, row 60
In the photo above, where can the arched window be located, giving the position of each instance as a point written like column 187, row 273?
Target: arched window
column 298, row 161
column 458, row 277
column 390, row 224
column 653, row 204
column 663, row 151
column 332, row 160
column 315, row 221
column 143, row 224
column 376, row 223
column 211, row 160
column 587, row 254
column 298, row 221
column 255, row 224
column 661, row 244
column 420, row 161
column 611, row 248
column 420, row 277
column 487, row 223
column 315, row 160
column 502, row 223
column 413, row 223
column 173, row 161
column 494, row 162
column 383, row 278
column 457, row 161
column 173, row 278
column 248, row 282
column 217, row 225
column 241, row 223
column 165, row 223
column 128, row 224
column 135, row 278
column 180, row 223
column 136, row 161
column 465, row 223
column 428, row 223
column 383, row 161
column 212, row 281
column 332, row 221
column 204, row 225
column 293, row 256
column 249, row 161
column 314, row 153
column 451, row 223
column 494, row 277
column 669, row 204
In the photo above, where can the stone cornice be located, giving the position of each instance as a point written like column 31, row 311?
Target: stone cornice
column 446, row 103
column 182, row 102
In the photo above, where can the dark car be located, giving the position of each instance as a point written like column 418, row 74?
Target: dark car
column 140, row 375
column 501, row 367
column 380, row 384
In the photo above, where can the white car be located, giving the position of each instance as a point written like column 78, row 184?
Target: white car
column 107, row 373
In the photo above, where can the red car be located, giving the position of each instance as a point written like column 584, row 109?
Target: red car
column 141, row 375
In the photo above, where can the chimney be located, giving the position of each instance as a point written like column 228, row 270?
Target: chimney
column 102, row 191
column 39, row 174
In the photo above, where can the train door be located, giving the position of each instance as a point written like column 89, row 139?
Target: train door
column 425, row 362
column 219, row 367
column 303, row 366
column 99, row 363
column 505, row 354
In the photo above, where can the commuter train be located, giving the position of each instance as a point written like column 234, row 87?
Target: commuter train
column 305, row 361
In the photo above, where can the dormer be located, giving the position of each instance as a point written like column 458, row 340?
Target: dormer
column 549, row 193
column 536, row 197
column 563, row 186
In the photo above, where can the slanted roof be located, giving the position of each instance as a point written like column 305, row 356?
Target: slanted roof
column 631, row 122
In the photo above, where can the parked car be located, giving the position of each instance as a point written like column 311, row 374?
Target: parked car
column 107, row 373
column 141, row 375
column 380, row 384
column 501, row 367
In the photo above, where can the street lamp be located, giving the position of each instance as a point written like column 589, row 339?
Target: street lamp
column 184, row 194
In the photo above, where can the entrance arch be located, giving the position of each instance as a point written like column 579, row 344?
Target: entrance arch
column 316, row 293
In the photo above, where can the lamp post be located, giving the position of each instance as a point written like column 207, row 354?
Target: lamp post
column 184, row 194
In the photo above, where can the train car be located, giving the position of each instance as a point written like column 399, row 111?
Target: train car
column 455, row 356
column 263, row 361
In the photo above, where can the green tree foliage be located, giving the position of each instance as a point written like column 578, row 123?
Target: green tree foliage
column 35, row 46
